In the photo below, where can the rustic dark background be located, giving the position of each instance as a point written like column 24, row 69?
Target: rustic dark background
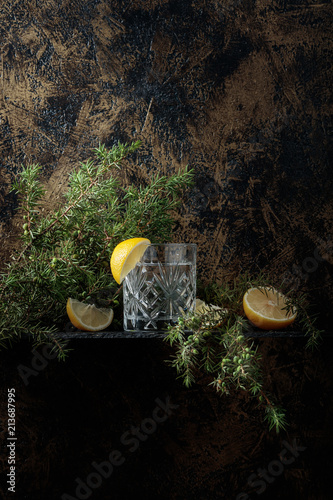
column 240, row 91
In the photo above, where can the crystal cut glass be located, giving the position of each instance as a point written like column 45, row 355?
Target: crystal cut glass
column 160, row 288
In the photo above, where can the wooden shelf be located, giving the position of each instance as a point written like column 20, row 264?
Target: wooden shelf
column 77, row 334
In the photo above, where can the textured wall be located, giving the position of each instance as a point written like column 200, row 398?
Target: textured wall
column 239, row 90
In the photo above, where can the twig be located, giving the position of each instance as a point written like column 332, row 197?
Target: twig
column 148, row 111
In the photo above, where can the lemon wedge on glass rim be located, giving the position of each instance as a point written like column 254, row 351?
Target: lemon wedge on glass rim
column 267, row 308
column 126, row 255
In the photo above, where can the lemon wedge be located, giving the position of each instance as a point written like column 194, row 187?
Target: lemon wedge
column 126, row 255
column 88, row 317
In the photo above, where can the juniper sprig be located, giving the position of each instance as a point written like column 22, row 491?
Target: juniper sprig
column 216, row 346
column 214, row 341
column 66, row 252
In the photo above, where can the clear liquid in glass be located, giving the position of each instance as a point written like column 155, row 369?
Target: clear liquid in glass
column 161, row 287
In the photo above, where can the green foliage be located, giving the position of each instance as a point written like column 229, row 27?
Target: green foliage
column 66, row 252
column 213, row 342
column 305, row 321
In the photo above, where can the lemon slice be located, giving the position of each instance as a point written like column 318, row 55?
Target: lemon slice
column 201, row 308
column 126, row 255
column 266, row 308
column 88, row 317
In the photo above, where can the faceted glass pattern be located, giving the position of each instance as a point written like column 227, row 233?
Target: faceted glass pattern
column 160, row 288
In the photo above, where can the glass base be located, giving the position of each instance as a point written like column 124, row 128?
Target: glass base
column 141, row 325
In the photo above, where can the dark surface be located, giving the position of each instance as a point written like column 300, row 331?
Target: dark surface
column 240, row 91
column 77, row 334
column 72, row 414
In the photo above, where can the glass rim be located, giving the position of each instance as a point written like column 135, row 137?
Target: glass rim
column 170, row 244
